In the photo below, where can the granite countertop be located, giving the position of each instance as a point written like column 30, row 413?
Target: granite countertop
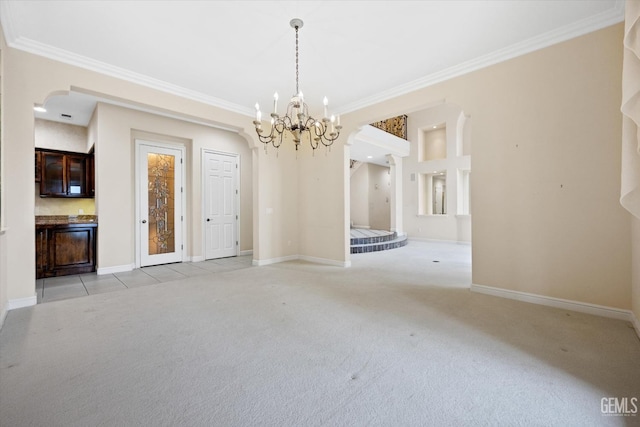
column 66, row 219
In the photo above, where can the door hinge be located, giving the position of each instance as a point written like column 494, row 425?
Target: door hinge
column 236, row 191
column 180, row 160
column 181, row 189
column 236, row 216
column 181, row 218
column 182, row 247
column 236, row 243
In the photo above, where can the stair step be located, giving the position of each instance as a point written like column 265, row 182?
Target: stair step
column 397, row 242
column 382, row 238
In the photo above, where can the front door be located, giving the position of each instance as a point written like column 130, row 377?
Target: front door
column 160, row 201
column 220, row 211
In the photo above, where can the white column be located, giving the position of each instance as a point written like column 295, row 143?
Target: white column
column 395, row 202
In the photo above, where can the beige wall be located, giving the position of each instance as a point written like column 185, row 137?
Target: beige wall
column 323, row 199
column 3, row 238
column 60, row 136
column 277, row 186
column 62, row 206
column 379, row 197
column 635, row 262
column 370, row 197
column 546, row 169
column 359, row 196
column 117, row 129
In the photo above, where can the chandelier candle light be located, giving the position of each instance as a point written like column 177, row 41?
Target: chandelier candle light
column 297, row 120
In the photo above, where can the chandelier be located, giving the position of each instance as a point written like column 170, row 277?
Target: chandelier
column 297, row 120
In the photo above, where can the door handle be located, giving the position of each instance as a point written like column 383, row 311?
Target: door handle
column 208, row 219
column 144, row 221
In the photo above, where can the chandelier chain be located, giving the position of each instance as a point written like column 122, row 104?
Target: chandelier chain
column 297, row 73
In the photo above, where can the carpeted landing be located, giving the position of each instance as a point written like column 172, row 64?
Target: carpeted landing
column 396, row 340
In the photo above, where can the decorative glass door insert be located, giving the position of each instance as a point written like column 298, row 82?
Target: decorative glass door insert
column 161, row 177
column 160, row 196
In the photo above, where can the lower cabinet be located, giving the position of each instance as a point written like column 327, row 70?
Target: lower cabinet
column 62, row 250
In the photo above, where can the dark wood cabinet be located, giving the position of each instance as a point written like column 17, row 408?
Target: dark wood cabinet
column 65, row 249
column 64, row 174
column 41, row 252
column 52, row 177
column 38, row 165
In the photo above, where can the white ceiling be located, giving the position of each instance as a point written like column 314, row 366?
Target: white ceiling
column 233, row 54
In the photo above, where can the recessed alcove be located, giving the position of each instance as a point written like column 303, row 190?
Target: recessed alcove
column 433, row 143
column 433, row 193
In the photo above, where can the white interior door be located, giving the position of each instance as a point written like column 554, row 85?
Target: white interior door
column 160, row 201
column 220, row 201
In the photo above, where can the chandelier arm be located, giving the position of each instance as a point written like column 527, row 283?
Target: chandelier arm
column 279, row 125
column 311, row 142
column 279, row 143
column 287, row 123
column 297, row 120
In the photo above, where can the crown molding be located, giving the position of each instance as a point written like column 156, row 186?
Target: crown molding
column 612, row 16
column 70, row 58
column 7, row 24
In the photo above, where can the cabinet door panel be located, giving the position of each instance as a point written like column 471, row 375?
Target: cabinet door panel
column 53, row 174
column 76, row 175
column 71, row 250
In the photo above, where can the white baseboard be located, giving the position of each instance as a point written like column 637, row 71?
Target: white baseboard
column 12, row 304
column 366, row 227
column 424, row 239
column 3, row 316
column 325, row 261
column 248, row 252
column 115, row 269
column 636, row 323
column 582, row 307
column 198, row 258
column 262, row 262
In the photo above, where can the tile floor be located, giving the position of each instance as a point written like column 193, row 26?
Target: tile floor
column 65, row 287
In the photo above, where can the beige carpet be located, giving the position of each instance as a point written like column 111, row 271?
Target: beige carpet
column 395, row 340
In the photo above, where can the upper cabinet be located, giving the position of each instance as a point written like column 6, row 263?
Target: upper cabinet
column 65, row 174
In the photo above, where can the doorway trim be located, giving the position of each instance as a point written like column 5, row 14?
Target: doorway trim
column 203, row 178
column 137, row 174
